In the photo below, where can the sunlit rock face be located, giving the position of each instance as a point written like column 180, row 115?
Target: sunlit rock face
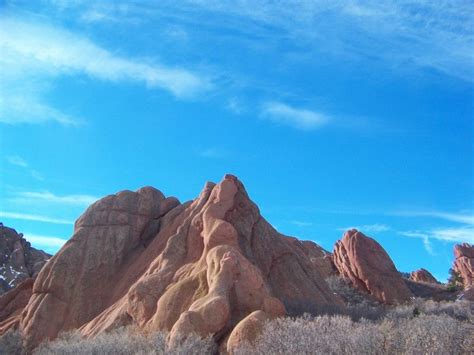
column 423, row 275
column 464, row 263
column 367, row 265
column 213, row 265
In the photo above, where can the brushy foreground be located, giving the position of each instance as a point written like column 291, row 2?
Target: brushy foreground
column 423, row 327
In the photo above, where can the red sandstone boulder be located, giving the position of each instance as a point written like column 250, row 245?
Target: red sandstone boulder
column 12, row 304
column 423, row 275
column 464, row 263
column 365, row 263
column 203, row 267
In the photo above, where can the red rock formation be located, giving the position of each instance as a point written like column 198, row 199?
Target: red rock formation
column 18, row 260
column 12, row 303
column 464, row 263
column 203, row 266
column 423, row 275
column 366, row 264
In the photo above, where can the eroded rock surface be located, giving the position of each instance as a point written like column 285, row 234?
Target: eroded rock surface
column 12, row 304
column 366, row 264
column 18, row 260
column 423, row 275
column 464, row 263
column 203, row 266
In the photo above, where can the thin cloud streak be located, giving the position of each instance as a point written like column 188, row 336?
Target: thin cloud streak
column 298, row 118
column 450, row 234
column 46, row 196
column 400, row 34
column 63, row 52
column 301, row 223
column 467, row 218
column 48, row 243
column 18, row 161
column 34, row 217
column 370, row 228
column 212, row 153
column 16, row 109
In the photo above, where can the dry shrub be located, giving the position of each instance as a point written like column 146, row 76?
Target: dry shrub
column 124, row 341
column 424, row 334
column 11, row 343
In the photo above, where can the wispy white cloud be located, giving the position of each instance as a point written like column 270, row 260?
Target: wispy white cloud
column 299, row 118
column 34, row 217
column 18, row 161
column 301, row 223
column 370, row 228
column 399, row 34
column 212, row 153
column 458, row 234
column 235, row 106
column 47, row 243
column 460, row 217
column 424, row 237
column 49, row 197
column 64, row 52
column 34, row 52
column 29, row 109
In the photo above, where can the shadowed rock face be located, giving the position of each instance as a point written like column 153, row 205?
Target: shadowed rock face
column 12, row 303
column 18, row 260
column 203, row 266
column 464, row 263
column 423, row 275
column 366, row 264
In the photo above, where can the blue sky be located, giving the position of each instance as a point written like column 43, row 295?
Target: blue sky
column 334, row 114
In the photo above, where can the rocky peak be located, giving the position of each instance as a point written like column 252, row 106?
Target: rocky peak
column 18, row 259
column 423, row 275
column 367, row 265
column 464, row 263
column 211, row 266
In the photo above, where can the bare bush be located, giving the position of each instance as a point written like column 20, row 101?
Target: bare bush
column 419, row 327
column 460, row 310
column 124, row 341
column 424, row 334
column 344, row 290
column 11, row 343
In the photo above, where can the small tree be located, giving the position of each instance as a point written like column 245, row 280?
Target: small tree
column 455, row 280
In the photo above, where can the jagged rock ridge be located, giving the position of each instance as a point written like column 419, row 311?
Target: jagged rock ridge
column 209, row 266
column 18, row 259
column 464, row 263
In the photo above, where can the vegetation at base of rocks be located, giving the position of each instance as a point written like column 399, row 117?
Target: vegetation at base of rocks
column 422, row 326
column 455, row 281
column 121, row 341
column 423, row 334
column 10, row 343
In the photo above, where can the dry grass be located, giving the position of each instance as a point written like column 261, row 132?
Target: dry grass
column 421, row 327
column 423, row 334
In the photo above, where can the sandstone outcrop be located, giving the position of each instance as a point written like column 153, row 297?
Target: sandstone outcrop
column 12, row 303
column 365, row 263
column 464, row 263
column 208, row 266
column 18, row 260
column 423, row 275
